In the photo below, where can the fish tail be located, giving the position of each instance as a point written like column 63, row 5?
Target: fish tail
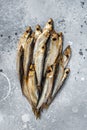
column 36, row 113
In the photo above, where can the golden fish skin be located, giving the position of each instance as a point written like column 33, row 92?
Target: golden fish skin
column 30, row 90
column 25, row 90
column 28, row 54
column 49, row 25
column 20, row 69
column 53, row 51
column 61, row 71
column 24, row 37
column 45, row 34
column 28, row 49
column 38, row 31
column 62, row 64
column 32, row 87
column 41, row 65
column 21, row 43
column 65, row 75
column 39, row 52
column 47, row 87
column 66, row 55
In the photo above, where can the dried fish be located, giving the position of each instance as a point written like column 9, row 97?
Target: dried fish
column 41, row 65
column 53, row 51
column 47, row 87
column 66, row 55
column 28, row 54
column 30, row 90
column 28, row 49
column 65, row 75
column 24, row 37
column 32, row 87
column 39, row 51
column 62, row 64
column 21, row 44
column 61, row 75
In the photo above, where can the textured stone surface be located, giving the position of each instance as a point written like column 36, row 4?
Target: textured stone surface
column 69, row 109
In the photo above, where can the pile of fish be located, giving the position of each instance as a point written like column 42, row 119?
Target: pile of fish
column 41, row 65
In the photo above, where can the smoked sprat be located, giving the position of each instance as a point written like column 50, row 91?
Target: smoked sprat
column 42, row 65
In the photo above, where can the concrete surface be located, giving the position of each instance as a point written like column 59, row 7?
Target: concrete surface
column 69, row 109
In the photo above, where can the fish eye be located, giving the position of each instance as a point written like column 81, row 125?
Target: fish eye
column 37, row 29
column 27, row 31
column 67, row 72
column 49, row 22
column 67, row 55
column 48, row 71
column 54, row 39
column 42, row 47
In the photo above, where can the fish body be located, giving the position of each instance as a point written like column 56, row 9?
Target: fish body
column 47, row 89
column 32, row 87
column 20, row 47
column 62, row 72
column 62, row 64
column 40, row 49
column 53, row 51
column 28, row 49
column 65, row 75
column 28, row 54
column 24, row 37
column 66, row 55
column 39, row 53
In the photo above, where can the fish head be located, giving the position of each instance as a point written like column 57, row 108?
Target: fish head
column 54, row 37
column 67, row 51
column 37, row 28
column 28, row 30
column 49, row 25
column 66, row 72
column 37, row 31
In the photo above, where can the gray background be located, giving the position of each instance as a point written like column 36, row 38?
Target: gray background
column 69, row 109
